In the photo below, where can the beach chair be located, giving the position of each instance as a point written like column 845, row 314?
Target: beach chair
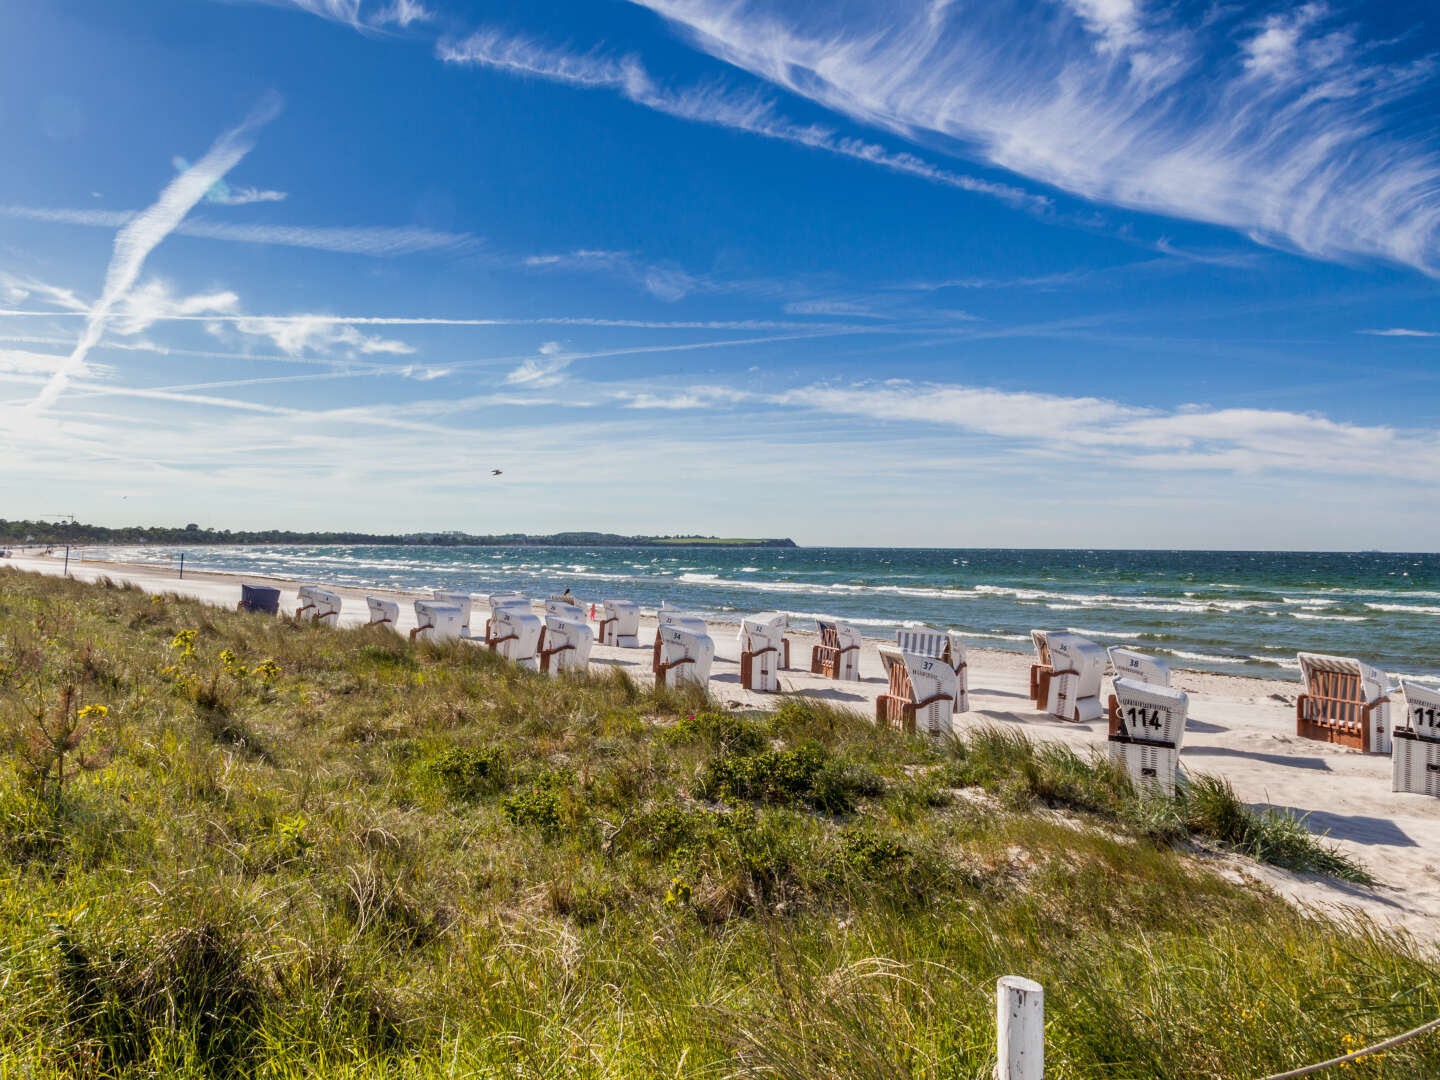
column 463, row 600
column 566, row 609
column 762, row 643
column 1130, row 664
column 318, row 605
column 669, row 616
column 1415, row 747
column 682, row 654
column 260, row 599
column 1069, row 689
column 435, row 621
column 505, row 599
column 1345, row 702
column 382, row 612
column 620, row 624
column 565, row 645
column 1147, row 726
column 515, row 635
column 944, row 645
column 1040, row 670
column 838, row 654
column 921, row 694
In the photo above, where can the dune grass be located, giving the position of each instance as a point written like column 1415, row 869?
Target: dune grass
column 292, row 851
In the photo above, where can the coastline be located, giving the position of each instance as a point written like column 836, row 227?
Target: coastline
column 1241, row 728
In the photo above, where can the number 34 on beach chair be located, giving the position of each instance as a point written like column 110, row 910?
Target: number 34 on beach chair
column 921, row 695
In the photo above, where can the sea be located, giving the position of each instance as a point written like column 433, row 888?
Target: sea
column 1237, row 612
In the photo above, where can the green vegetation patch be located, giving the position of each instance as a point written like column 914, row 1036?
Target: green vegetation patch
column 236, row 846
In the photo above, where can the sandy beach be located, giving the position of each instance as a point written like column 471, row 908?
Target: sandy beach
column 1242, row 729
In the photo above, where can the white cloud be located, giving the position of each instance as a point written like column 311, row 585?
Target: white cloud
column 841, row 308
column 228, row 196
column 707, row 105
column 1400, row 331
column 17, row 290
column 547, row 369
column 362, row 14
column 147, row 304
column 378, row 241
column 1325, row 160
column 140, row 236
column 298, row 334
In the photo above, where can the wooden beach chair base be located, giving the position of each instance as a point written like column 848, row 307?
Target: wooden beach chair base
column 748, row 671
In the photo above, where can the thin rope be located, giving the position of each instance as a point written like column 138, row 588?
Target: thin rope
column 1396, row 1041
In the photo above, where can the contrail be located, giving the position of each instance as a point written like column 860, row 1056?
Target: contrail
column 138, row 238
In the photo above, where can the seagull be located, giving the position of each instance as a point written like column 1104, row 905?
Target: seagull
column 495, row 472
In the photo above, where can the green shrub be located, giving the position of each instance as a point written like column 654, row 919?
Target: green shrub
column 469, row 773
column 807, row 775
column 722, row 732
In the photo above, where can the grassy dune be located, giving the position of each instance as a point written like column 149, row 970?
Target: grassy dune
column 365, row 858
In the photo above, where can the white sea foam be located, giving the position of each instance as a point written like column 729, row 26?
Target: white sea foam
column 1405, row 609
column 1328, row 618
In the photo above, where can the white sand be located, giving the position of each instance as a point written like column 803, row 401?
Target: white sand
column 1240, row 728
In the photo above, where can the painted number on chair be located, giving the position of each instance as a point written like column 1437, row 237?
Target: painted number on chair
column 1143, row 717
column 1425, row 717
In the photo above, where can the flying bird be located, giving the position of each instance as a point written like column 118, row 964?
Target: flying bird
column 495, row 472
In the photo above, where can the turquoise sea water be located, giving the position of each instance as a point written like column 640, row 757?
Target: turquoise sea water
column 1239, row 612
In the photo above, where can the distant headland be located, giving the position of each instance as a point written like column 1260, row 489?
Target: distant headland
column 46, row 532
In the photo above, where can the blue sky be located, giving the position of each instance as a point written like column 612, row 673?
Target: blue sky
column 1056, row 273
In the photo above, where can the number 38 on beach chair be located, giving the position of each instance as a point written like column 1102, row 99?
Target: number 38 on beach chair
column 1344, row 702
column 565, row 644
column 921, row 695
column 318, row 605
column 838, row 654
column 945, row 645
column 683, row 653
column 1065, row 681
column 1415, row 756
column 762, row 651
column 1147, row 726
column 620, row 624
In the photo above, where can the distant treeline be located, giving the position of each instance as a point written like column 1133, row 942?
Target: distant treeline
column 45, row 532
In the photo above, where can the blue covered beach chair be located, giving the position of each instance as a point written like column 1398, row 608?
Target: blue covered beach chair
column 259, row 598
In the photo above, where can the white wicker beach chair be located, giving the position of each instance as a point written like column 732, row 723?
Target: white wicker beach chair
column 318, row 605
column 620, row 624
column 1130, row 664
column 515, row 635
column 435, row 621
column 463, row 600
column 683, row 654
column 566, row 645
column 504, row 600
column 382, row 612
column 837, row 656
column 1072, row 685
column 1415, row 747
column 946, row 645
column 921, row 695
column 1345, row 702
column 1147, row 728
column 762, row 644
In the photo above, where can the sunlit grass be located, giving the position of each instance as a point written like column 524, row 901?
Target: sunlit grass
column 298, row 851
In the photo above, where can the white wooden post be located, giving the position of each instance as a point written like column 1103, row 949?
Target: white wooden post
column 1019, row 1029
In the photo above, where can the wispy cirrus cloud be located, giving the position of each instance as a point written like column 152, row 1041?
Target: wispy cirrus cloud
column 141, row 235
column 244, row 196
column 361, row 14
column 713, row 104
column 1287, row 128
column 375, row 240
column 547, row 369
column 1400, row 331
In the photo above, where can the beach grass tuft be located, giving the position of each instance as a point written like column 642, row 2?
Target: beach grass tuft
column 300, row 851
